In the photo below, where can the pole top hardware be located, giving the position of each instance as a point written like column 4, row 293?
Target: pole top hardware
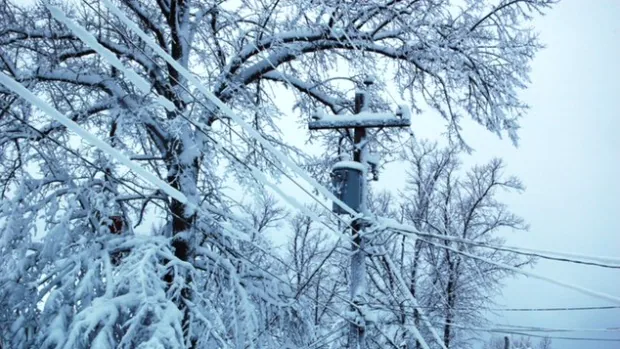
column 369, row 81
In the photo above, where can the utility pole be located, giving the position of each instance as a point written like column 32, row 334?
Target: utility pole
column 362, row 120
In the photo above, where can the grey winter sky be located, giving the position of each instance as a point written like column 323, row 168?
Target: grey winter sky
column 568, row 159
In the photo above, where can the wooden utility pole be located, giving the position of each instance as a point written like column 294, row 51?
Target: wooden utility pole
column 362, row 120
column 357, row 285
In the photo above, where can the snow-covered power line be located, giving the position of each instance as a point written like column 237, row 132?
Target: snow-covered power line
column 396, row 226
column 607, row 307
column 541, row 309
column 522, row 333
column 602, row 261
column 577, row 288
column 505, row 327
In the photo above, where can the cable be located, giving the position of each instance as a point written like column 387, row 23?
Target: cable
column 503, row 327
column 560, row 308
column 551, row 309
column 599, row 261
column 259, row 138
column 506, row 331
column 579, row 289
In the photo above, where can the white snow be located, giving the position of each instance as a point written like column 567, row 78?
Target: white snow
column 166, row 103
column 358, row 166
column 403, row 111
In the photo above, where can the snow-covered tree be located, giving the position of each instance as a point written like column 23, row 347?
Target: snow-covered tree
column 517, row 342
column 468, row 209
column 318, row 276
column 77, row 268
column 453, row 290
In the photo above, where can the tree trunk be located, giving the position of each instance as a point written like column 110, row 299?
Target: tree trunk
column 183, row 176
column 413, row 286
column 450, row 299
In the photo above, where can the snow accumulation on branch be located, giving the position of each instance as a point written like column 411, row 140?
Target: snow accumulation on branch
column 310, row 89
column 91, row 41
column 26, row 94
column 224, row 108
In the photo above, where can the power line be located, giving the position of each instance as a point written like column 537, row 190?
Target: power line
column 580, row 289
column 504, row 327
column 559, row 308
column 545, row 254
column 520, row 333
column 549, row 309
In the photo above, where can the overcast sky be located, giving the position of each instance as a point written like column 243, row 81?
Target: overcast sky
column 568, row 159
